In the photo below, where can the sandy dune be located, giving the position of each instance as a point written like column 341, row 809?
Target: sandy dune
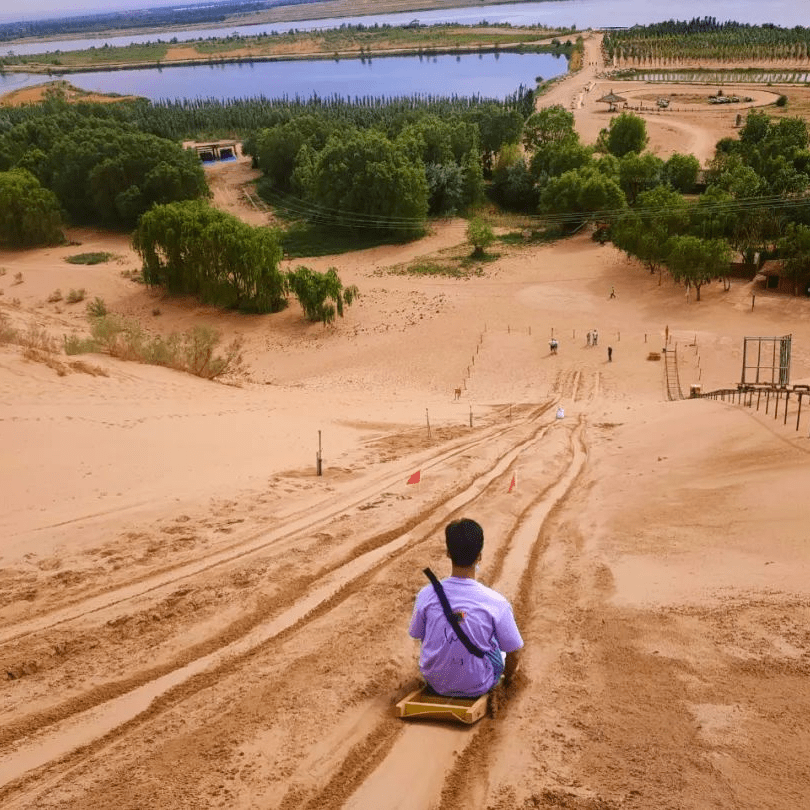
column 191, row 618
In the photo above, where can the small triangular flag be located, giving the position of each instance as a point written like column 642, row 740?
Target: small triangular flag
column 416, row 477
column 512, row 484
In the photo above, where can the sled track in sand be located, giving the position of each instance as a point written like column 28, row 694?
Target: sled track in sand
column 43, row 748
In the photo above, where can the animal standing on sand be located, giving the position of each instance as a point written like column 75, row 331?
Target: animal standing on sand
column 553, row 345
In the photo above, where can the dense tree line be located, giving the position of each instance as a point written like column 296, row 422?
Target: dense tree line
column 102, row 171
column 213, row 118
column 29, row 214
column 755, row 203
column 387, row 167
column 109, row 163
column 706, row 38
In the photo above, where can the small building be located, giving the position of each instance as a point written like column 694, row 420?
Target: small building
column 777, row 278
column 223, row 150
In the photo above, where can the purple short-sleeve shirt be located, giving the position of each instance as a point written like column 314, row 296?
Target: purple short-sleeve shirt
column 486, row 617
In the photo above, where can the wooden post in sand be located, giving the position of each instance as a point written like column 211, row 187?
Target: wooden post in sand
column 319, row 457
column 471, row 414
column 427, row 419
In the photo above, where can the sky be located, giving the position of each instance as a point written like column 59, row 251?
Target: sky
column 40, row 9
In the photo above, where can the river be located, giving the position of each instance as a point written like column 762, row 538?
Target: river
column 489, row 74
column 580, row 13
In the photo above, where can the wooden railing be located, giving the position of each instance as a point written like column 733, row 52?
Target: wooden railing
column 774, row 399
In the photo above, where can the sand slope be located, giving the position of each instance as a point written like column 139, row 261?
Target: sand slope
column 192, row 618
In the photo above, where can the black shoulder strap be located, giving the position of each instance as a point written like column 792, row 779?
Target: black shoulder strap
column 448, row 612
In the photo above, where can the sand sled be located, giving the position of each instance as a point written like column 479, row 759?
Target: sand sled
column 423, row 704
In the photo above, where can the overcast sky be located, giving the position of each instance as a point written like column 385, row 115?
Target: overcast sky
column 37, row 9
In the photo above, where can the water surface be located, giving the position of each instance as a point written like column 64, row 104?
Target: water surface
column 490, row 75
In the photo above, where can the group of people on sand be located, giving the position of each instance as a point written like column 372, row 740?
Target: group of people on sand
column 592, row 338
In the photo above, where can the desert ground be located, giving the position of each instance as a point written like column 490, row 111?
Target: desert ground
column 192, row 618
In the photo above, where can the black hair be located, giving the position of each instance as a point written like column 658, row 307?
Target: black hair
column 465, row 539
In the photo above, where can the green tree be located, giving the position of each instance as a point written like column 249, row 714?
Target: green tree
column 193, row 249
column 681, row 172
column 585, row 195
column 557, row 157
column 696, row 261
column 322, row 295
column 480, row 235
column 277, row 148
column 548, row 126
column 513, row 186
column 626, row 133
column 363, row 180
column 639, row 173
column 644, row 232
column 29, row 214
column 794, row 248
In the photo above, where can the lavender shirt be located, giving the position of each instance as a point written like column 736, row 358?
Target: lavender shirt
column 487, row 619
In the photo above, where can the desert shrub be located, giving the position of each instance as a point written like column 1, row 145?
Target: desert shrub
column 18, row 278
column 46, row 358
column 96, row 308
column 35, row 337
column 193, row 351
column 480, row 235
column 78, row 345
column 8, row 334
column 781, row 101
column 197, row 351
column 89, row 258
column 55, row 296
column 88, row 368
column 74, row 296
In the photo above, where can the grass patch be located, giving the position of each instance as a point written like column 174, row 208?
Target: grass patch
column 302, row 239
column 89, row 258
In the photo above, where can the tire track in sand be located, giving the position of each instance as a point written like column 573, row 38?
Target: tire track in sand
column 85, row 729
column 412, row 774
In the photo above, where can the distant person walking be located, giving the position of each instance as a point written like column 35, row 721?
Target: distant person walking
column 588, row 338
column 612, row 292
column 610, row 354
column 595, row 337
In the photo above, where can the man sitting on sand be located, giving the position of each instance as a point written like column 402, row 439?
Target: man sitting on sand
column 483, row 615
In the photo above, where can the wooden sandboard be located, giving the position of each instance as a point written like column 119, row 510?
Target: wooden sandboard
column 423, row 705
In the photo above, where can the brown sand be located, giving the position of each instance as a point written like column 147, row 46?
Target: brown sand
column 191, row 618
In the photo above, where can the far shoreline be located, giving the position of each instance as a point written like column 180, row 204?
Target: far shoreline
column 279, row 14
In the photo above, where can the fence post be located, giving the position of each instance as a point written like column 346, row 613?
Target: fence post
column 787, row 398
column 767, row 400
column 799, row 414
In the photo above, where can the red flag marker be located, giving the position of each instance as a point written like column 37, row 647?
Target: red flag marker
column 416, row 477
column 513, row 484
